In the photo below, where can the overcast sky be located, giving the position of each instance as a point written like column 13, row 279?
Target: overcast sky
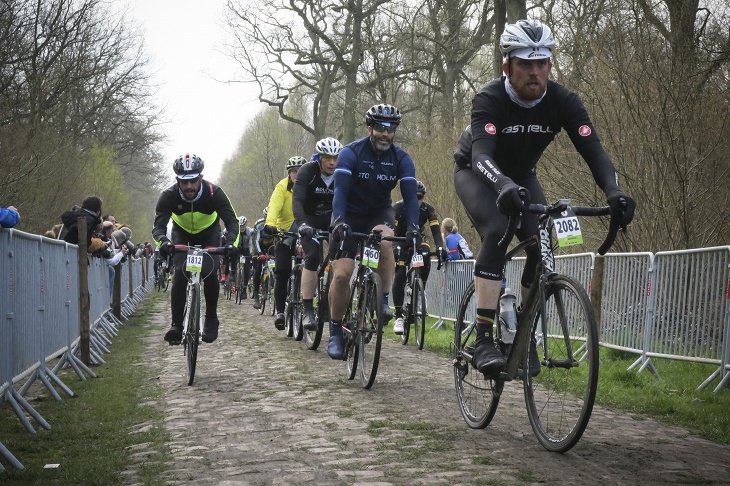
column 207, row 117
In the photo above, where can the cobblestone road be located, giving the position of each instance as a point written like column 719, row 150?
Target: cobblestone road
column 268, row 411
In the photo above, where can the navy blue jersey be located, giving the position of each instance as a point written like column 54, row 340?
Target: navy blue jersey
column 364, row 180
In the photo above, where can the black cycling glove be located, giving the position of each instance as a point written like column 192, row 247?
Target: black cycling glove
column 512, row 198
column 622, row 206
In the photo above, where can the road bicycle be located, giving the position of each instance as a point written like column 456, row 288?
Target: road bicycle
column 266, row 284
column 557, row 322
column 293, row 305
column 312, row 338
column 193, row 317
column 362, row 325
column 162, row 273
column 414, row 301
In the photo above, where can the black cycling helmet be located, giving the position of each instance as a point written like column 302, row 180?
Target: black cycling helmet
column 188, row 166
column 420, row 188
column 386, row 115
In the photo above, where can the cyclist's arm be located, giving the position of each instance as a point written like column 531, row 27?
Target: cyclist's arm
column 299, row 194
column 583, row 134
column 433, row 222
column 485, row 129
column 399, row 216
column 276, row 202
column 225, row 211
column 407, row 178
column 346, row 162
column 162, row 217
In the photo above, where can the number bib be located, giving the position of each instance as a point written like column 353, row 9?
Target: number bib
column 370, row 257
column 567, row 229
column 194, row 261
column 271, row 263
column 242, row 259
column 417, row 260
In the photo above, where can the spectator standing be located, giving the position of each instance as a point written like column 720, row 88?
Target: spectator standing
column 90, row 210
column 456, row 245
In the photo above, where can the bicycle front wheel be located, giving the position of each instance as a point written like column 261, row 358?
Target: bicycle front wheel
column 418, row 309
column 477, row 395
column 192, row 334
column 263, row 292
column 321, row 310
column 560, row 396
column 370, row 330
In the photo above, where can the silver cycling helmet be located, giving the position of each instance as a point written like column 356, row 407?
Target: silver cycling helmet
column 295, row 162
column 242, row 220
column 329, row 146
column 527, row 39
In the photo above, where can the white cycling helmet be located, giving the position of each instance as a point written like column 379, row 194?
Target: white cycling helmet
column 242, row 220
column 295, row 162
column 329, row 146
column 527, row 39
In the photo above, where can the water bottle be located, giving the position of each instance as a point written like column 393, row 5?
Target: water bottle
column 508, row 315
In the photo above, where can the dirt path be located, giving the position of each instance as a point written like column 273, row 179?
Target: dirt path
column 269, row 411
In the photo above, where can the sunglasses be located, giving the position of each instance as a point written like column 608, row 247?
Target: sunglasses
column 382, row 128
column 184, row 182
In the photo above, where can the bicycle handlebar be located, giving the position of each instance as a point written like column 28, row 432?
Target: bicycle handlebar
column 217, row 250
column 561, row 205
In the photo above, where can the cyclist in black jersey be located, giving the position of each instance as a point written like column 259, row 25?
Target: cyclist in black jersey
column 314, row 189
column 426, row 216
column 513, row 120
column 196, row 207
column 367, row 171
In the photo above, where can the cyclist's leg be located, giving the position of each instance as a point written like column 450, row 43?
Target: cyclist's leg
column 424, row 249
column 311, row 248
column 247, row 267
column 343, row 264
column 283, row 255
column 399, row 280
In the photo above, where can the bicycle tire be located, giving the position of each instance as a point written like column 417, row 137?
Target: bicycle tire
column 407, row 315
column 370, row 334
column 166, row 280
column 192, row 334
column 227, row 288
column 418, row 314
column 263, row 292
column 478, row 396
column 349, row 335
column 158, row 279
column 560, row 398
column 272, row 284
column 312, row 339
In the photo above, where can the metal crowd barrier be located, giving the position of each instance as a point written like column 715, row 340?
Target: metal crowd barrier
column 39, row 297
column 673, row 305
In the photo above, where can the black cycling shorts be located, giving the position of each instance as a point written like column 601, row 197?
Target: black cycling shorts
column 480, row 203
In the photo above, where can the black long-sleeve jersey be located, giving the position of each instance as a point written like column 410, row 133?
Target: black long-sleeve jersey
column 199, row 217
column 426, row 216
column 506, row 140
column 312, row 197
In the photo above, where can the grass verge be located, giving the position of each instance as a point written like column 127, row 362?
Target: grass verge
column 108, row 434
column 673, row 399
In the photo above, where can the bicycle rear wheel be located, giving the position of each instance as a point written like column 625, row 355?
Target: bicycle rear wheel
column 370, row 334
column 272, row 283
column 192, row 333
column 418, row 303
column 478, row 397
column 407, row 314
column 560, row 398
